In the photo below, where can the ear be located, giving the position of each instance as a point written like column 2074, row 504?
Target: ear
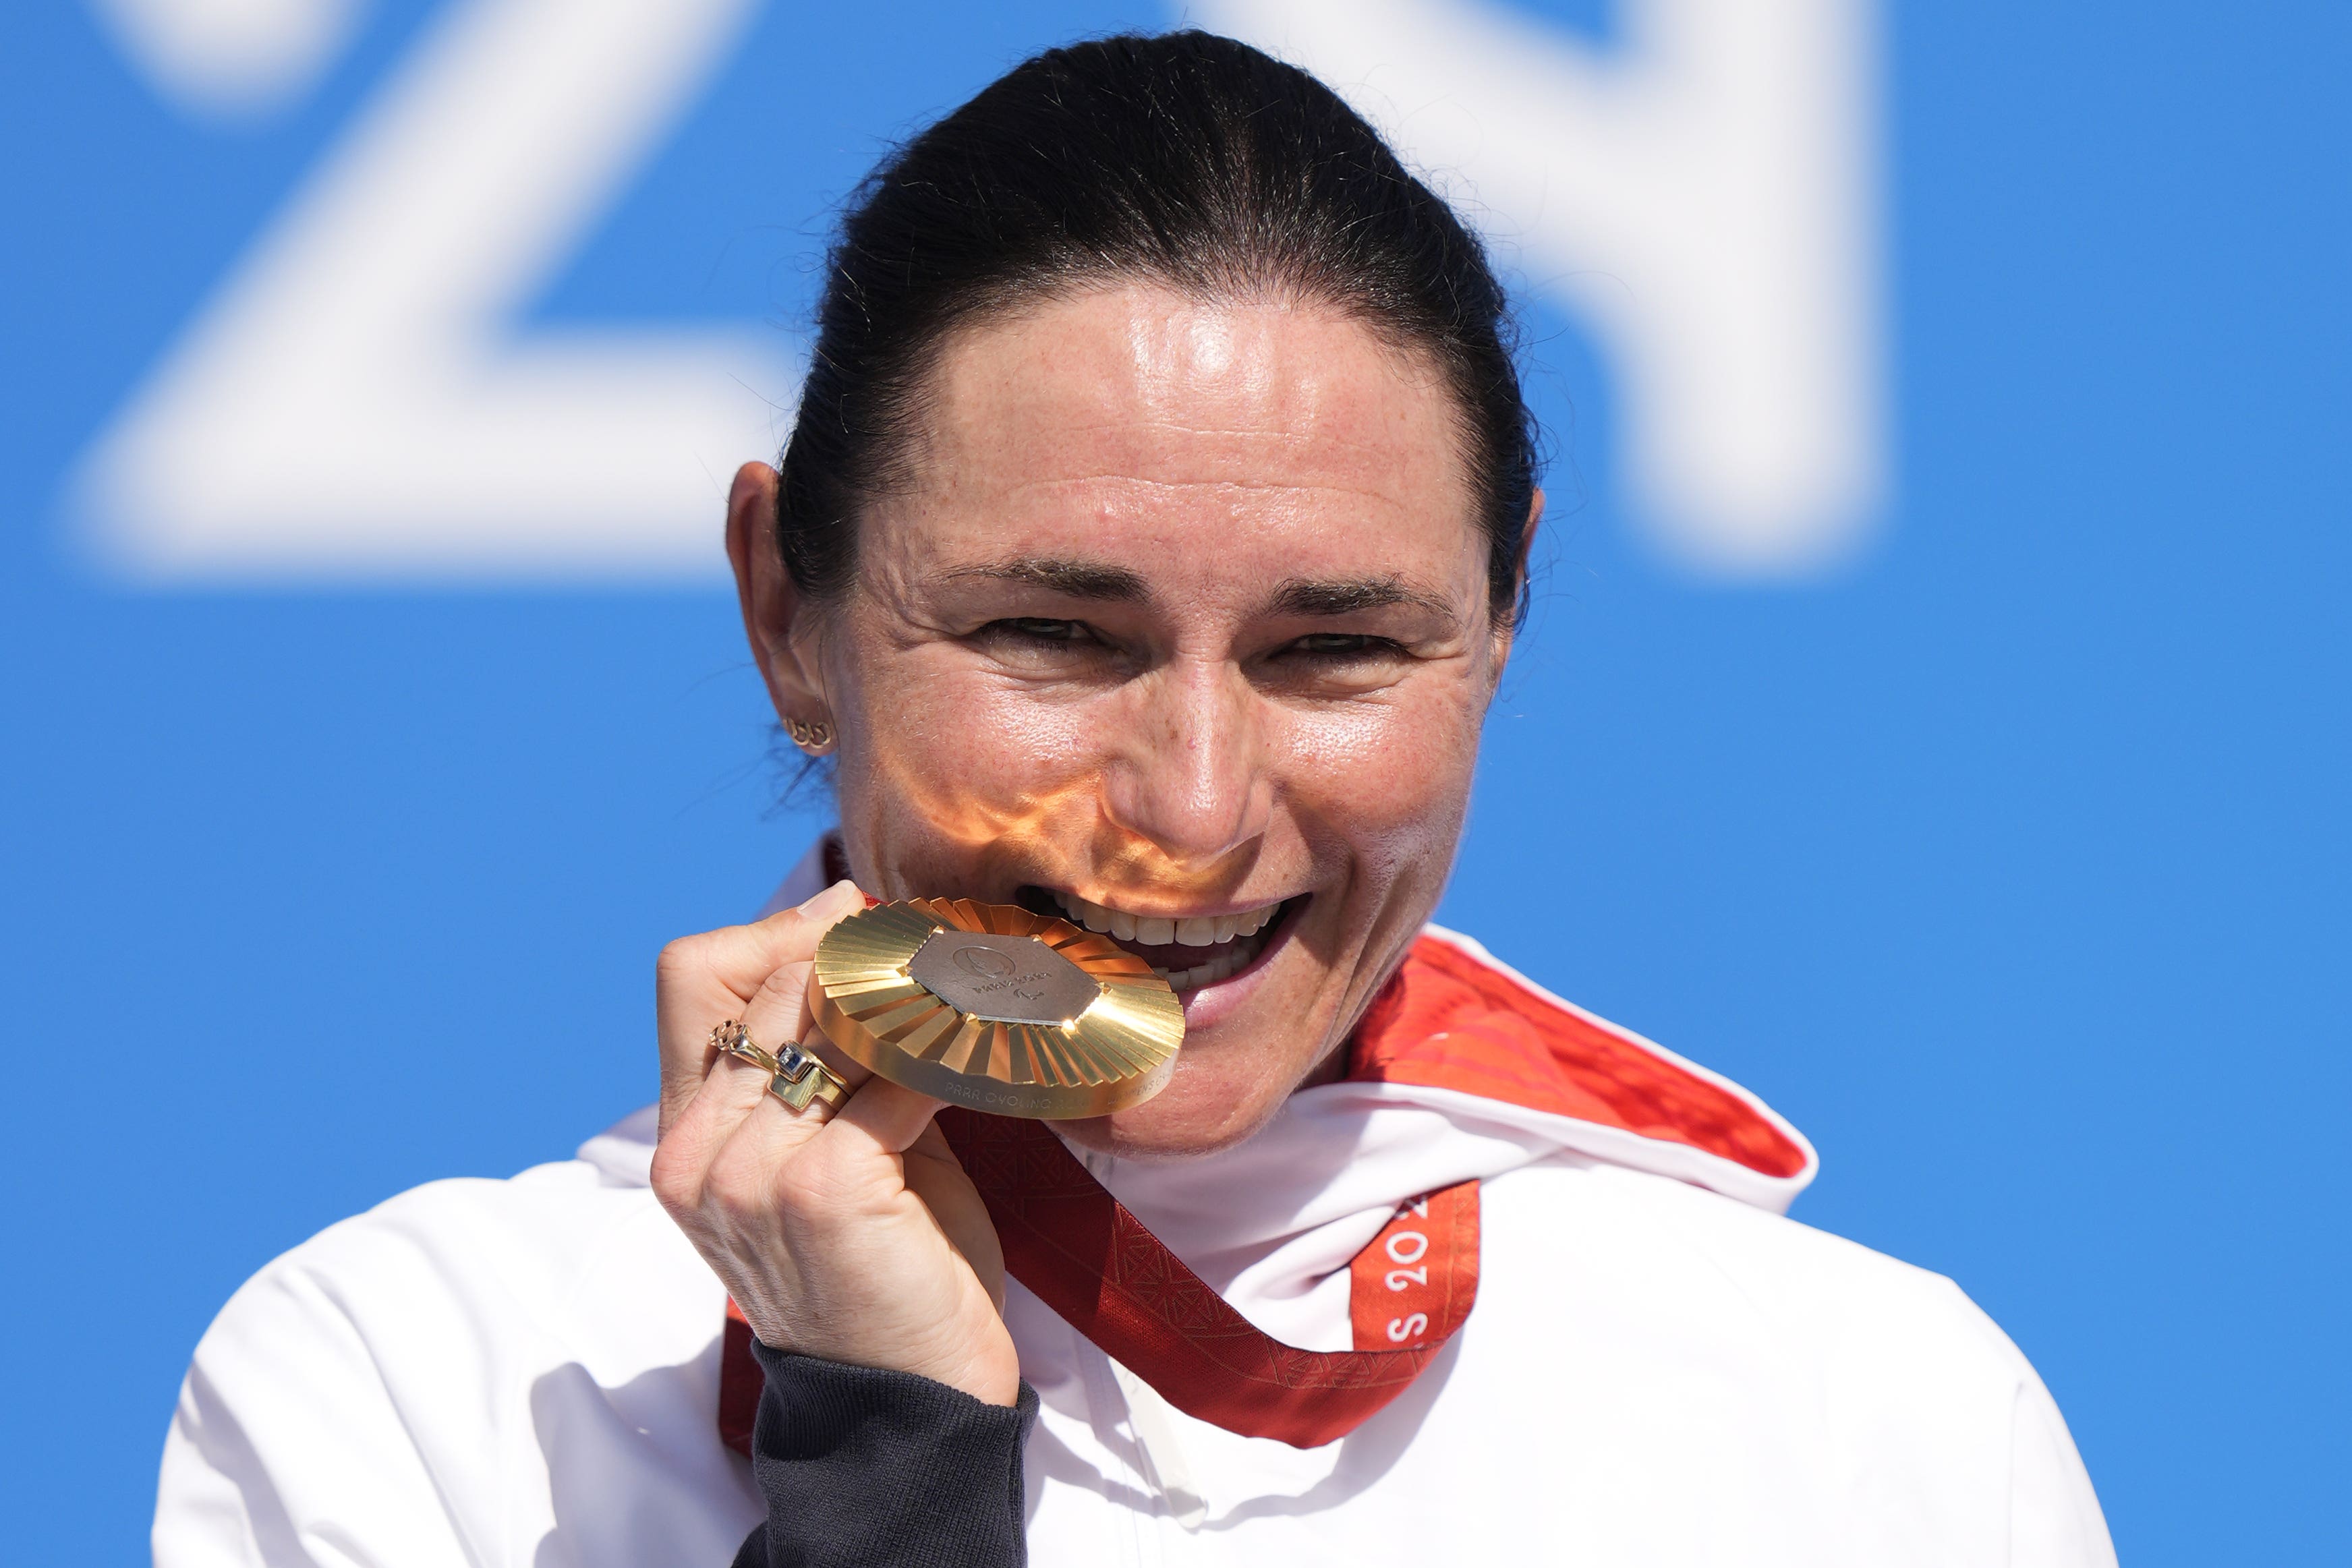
column 1504, row 634
column 1527, row 538
column 773, row 606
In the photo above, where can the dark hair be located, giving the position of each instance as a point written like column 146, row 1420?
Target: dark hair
column 1187, row 159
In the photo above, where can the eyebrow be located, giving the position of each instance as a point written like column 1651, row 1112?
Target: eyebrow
column 1353, row 596
column 1071, row 579
column 1302, row 597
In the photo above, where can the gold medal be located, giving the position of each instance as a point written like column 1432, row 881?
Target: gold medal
column 989, row 1005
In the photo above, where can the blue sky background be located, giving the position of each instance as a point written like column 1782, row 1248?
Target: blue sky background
column 2011, row 863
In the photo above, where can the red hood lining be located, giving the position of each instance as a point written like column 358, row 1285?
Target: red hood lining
column 1449, row 1022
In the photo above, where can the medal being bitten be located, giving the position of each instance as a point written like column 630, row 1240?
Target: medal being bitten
column 993, row 1008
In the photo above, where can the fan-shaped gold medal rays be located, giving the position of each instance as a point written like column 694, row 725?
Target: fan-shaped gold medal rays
column 989, row 1005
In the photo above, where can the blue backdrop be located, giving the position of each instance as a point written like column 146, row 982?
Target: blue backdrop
column 2010, row 860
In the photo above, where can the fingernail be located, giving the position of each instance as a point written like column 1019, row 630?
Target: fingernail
column 827, row 893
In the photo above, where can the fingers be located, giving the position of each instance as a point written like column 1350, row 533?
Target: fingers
column 706, row 980
column 777, row 1014
column 885, row 1116
column 719, row 1122
column 852, row 1146
column 777, row 1017
column 690, row 1146
column 703, row 980
column 749, row 1144
column 735, row 1118
column 935, row 1176
column 783, row 1013
column 738, row 957
column 727, row 966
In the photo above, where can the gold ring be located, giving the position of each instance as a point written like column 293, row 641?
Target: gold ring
column 730, row 1037
column 794, row 1076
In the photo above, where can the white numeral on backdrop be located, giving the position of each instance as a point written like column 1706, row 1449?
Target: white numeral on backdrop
column 355, row 402
column 1702, row 197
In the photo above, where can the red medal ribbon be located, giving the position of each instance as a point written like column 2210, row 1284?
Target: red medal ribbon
column 1413, row 1285
column 1080, row 1252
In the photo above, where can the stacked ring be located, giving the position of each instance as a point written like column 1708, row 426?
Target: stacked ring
column 794, row 1076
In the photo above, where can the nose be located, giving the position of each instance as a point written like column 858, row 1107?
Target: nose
column 1192, row 780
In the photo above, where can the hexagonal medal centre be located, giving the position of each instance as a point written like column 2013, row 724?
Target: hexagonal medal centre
column 1005, row 979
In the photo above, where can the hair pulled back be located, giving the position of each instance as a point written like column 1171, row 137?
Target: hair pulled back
column 1183, row 159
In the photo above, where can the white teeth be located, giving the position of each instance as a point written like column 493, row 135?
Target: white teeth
column 1192, row 931
column 1232, row 961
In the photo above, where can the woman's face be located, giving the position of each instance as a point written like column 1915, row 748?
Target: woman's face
column 1176, row 626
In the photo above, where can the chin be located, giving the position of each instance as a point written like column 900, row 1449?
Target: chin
column 1209, row 1105
column 1147, row 1132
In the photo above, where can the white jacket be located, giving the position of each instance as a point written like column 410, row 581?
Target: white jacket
column 1660, row 1369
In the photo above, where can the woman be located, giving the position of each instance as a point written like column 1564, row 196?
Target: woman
column 1148, row 548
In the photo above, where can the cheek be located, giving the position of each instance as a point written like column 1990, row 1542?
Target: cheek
column 936, row 751
column 1391, row 778
column 936, row 718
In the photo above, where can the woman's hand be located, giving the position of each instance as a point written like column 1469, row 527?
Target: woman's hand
column 855, row 1238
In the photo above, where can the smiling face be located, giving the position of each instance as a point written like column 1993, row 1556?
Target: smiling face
column 1175, row 624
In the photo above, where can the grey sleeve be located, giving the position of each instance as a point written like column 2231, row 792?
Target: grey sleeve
column 861, row 1466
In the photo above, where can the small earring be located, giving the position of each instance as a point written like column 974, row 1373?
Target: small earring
column 813, row 735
